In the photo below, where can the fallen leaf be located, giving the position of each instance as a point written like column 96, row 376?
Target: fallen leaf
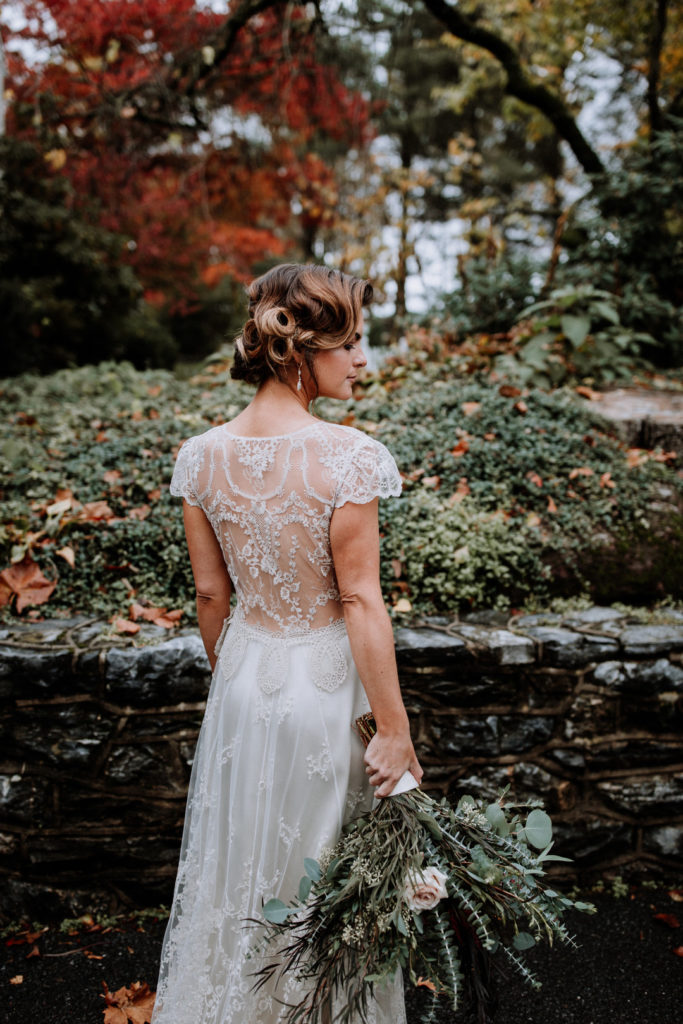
column 92, row 956
column 552, row 507
column 668, row 919
column 425, row 983
column 606, row 480
column 68, row 554
column 95, row 512
column 678, row 950
column 521, row 407
column 18, row 979
column 27, row 581
column 431, row 481
column 676, row 895
column 664, row 456
column 460, row 448
column 636, row 457
column 509, row 391
column 126, row 626
column 141, row 512
column 111, row 476
column 490, row 436
column 580, row 471
column 33, row 951
column 595, row 396
column 397, row 568
column 134, row 1003
column 469, row 408
column 403, row 605
column 534, row 478
column 155, row 494
column 163, row 620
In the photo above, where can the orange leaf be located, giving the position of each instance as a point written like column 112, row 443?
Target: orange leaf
column 606, row 480
column 111, row 476
column 17, row 979
column 580, row 471
column 508, row 391
column 397, row 567
column 425, row 983
column 594, row 396
column 676, row 895
column 534, row 478
column 125, row 626
column 141, row 512
column 33, row 951
column 460, row 448
column 163, row 620
column 469, row 408
column 26, row 580
column 678, row 950
column 95, row 512
column 664, row 456
column 521, row 407
column 175, row 615
column 154, row 390
column 155, row 494
column 68, row 555
column 431, row 481
column 490, row 436
column 552, row 507
column 636, row 457
column 668, row 919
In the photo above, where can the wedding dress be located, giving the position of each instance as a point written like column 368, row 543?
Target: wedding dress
column 278, row 766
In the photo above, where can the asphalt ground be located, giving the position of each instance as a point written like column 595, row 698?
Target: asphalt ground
column 628, row 968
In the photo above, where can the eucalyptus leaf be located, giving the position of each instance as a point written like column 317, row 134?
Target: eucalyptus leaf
column 276, row 912
column 495, row 816
column 305, row 888
column 523, row 940
column 312, row 868
column 538, row 828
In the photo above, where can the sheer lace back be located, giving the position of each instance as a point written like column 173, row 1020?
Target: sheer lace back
column 270, row 501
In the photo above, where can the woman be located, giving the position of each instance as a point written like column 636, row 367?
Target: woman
column 281, row 507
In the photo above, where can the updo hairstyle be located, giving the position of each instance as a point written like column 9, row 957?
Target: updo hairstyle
column 296, row 308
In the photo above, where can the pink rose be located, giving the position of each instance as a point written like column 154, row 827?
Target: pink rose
column 425, row 888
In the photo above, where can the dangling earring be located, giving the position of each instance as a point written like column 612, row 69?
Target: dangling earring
column 299, row 385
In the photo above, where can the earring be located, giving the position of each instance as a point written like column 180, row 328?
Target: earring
column 299, row 385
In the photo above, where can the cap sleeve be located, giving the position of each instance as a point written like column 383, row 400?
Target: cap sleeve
column 184, row 479
column 369, row 472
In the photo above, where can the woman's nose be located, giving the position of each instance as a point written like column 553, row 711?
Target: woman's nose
column 361, row 358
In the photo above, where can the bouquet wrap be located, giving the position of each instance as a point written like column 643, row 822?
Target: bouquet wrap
column 367, row 728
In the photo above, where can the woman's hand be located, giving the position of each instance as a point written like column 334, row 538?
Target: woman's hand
column 387, row 757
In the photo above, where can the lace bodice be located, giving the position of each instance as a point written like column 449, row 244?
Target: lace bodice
column 270, row 501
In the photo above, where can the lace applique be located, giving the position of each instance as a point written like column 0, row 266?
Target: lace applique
column 329, row 667
column 257, row 458
column 320, row 765
column 272, row 668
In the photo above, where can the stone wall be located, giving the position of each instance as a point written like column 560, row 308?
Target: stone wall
column 98, row 733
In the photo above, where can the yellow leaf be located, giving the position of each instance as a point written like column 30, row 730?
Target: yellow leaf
column 403, row 605
column 55, row 159
column 68, row 554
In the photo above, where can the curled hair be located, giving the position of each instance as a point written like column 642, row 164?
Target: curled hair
column 296, row 308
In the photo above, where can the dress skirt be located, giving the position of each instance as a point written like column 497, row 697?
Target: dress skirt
column 278, row 769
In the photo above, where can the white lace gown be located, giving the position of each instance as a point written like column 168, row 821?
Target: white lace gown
column 278, row 766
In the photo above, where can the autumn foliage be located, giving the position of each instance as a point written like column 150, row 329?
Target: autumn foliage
column 196, row 148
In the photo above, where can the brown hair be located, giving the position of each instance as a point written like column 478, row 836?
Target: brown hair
column 296, row 308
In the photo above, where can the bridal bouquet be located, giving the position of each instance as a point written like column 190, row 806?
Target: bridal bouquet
column 419, row 885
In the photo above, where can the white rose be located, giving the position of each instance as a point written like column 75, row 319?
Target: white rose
column 424, row 889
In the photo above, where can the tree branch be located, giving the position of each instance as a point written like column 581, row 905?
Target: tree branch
column 654, row 66
column 519, row 83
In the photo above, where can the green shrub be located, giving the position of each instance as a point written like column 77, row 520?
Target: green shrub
column 507, row 496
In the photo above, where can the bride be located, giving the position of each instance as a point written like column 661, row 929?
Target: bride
column 281, row 508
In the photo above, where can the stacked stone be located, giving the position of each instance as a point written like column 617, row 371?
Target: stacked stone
column 584, row 713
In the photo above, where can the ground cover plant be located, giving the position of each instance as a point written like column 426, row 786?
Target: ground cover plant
column 510, row 496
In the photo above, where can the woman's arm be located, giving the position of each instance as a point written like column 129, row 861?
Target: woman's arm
column 211, row 580
column 354, row 538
